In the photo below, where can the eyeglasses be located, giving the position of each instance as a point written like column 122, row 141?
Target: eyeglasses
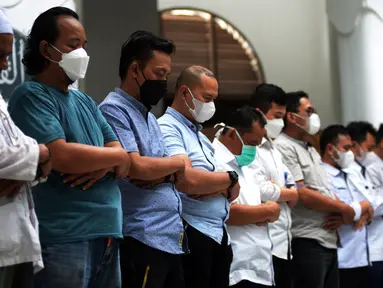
column 12, row 133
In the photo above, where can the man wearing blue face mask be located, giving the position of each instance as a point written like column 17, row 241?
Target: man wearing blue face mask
column 235, row 148
column 208, row 264
column 79, row 229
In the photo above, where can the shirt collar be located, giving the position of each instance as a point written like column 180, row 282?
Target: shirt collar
column 267, row 143
column 300, row 142
column 181, row 118
column 221, row 152
column 332, row 170
column 137, row 104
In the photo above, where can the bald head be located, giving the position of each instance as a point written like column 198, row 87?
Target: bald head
column 195, row 83
column 192, row 76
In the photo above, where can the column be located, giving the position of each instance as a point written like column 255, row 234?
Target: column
column 358, row 26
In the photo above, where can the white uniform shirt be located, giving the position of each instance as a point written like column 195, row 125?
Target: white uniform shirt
column 19, row 241
column 375, row 175
column 353, row 252
column 374, row 230
column 252, row 256
column 271, row 174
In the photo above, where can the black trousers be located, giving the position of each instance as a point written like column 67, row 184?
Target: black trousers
column 146, row 267
column 314, row 265
column 248, row 284
column 208, row 264
column 353, row 278
column 17, row 276
column 375, row 275
column 282, row 272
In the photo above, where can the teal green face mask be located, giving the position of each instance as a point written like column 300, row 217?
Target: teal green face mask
column 247, row 155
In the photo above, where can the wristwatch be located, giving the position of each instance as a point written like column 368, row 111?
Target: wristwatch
column 233, row 178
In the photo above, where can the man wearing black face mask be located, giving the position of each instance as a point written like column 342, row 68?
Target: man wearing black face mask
column 153, row 230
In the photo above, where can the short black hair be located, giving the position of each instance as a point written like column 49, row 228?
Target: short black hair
column 44, row 28
column 379, row 135
column 242, row 119
column 139, row 47
column 293, row 100
column 359, row 129
column 266, row 94
column 330, row 135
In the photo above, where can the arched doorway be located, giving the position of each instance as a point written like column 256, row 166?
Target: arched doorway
column 208, row 40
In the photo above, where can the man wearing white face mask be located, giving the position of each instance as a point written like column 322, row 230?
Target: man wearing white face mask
column 78, row 229
column 314, row 247
column 208, row 263
column 274, row 178
column 363, row 137
column 354, row 254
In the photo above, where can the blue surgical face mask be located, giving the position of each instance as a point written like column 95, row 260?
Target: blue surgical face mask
column 247, row 155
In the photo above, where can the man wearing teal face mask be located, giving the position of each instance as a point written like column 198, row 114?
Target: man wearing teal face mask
column 235, row 148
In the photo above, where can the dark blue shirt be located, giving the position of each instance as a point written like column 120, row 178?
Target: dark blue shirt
column 152, row 216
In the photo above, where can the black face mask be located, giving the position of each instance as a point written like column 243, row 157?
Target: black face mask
column 152, row 91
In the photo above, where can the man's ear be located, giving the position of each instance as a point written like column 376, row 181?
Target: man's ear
column 231, row 134
column 135, row 67
column 329, row 149
column 44, row 50
column 290, row 117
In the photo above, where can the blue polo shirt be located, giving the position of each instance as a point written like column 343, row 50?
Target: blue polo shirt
column 152, row 216
column 68, row 214
column 183, row 137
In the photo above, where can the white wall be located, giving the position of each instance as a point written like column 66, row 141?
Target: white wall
column 290, row 37
column 22, row 13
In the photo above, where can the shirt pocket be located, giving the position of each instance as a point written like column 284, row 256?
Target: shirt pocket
column 343, row 194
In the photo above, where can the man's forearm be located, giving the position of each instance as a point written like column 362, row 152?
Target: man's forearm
column 201, row 182
column 245, row 214
column 287, row 194
column 318, row 202
column 19, row 162
column 74, row 158
column 150, row 168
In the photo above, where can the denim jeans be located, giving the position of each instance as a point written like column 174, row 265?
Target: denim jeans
column 89, row 264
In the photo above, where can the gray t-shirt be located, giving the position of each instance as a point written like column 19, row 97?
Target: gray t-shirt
column 304, row 163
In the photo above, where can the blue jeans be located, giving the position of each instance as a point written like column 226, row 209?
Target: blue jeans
column 89, row 264
column 375, row 275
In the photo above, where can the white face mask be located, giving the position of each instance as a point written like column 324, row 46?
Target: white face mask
column 274, row 127
column 74, row 63
column 368, row 158
column 345, row 158
column 312, row 123
column 202, row 112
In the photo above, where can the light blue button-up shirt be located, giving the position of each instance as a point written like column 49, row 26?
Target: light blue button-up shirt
column 182, row 137
column 152, row 216
column 354, row 250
